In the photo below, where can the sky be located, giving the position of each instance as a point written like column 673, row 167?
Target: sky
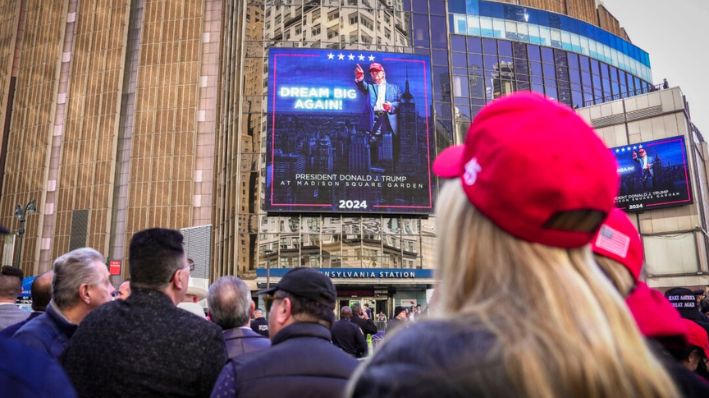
column 676, row 35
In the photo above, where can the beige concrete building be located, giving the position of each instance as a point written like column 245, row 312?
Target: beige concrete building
column 675, row 239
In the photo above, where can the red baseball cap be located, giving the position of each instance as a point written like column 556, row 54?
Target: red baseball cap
column 697, row 336
column 527, row 160
column 654, row 315
column 375, row 66
column 618, row 240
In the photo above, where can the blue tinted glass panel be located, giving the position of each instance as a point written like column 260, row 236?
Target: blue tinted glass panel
column 576, row 96
column 475, row 64
column 439, row 35
column 437, row 7
column 573, row 60
column 550, row 89
column 459, row 60
column 533, row 52
column 474, row 45
column 535, row 69
column 458, row 43
column 457, row 6
column 583, row 62
column 547, row 55
column 490, row 46
column 440, row 57
column 420, row 6
column 549, row 71
column 505, row 48
column 421, row 37
column 477, row 87
column 460, row 86
column 638, row 87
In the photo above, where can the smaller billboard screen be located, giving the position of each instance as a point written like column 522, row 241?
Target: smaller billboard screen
column 653, row 174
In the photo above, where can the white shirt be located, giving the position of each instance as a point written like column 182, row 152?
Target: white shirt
column 381, row 94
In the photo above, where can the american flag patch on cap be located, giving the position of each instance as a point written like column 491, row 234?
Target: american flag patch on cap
column 613, row 241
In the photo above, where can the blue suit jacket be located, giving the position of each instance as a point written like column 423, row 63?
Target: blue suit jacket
column 393, row 95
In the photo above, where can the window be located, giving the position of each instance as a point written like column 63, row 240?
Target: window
column 353, row 18
column 316, row 30
column 334, row 14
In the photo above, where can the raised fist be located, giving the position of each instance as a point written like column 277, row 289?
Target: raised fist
column 359, row 73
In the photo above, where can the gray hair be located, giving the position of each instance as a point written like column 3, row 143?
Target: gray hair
column 229, row 302
column 71, row 270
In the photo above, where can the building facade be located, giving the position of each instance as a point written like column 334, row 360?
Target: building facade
column 123, row 115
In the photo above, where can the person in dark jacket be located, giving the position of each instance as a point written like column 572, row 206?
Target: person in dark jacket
column 302, row 361
column 10, row 287
column 231, row 307
column 145, row 345
column 259, row 324
column 348, row 336
column 27, row 373
column 41, row 295
column 81, row 284
column 361, row 319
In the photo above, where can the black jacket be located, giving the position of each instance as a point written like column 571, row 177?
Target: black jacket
column 367, row 325
column 349, row 337
column 260, row 326
column 144, row 346
column 302, row 362
column 241, row 341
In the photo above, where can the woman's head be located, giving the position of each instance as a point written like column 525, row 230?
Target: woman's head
column 514, row 233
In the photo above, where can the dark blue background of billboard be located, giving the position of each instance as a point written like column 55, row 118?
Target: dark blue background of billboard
column 666, row 185
column 363, row 170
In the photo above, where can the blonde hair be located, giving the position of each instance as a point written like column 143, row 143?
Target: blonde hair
column 617, row 273
column 560, row 327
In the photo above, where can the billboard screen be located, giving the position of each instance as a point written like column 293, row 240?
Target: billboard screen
column 653, row 174
column 348, row 131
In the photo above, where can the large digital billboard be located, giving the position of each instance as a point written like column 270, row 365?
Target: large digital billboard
column 653, row 174
column 348, row 131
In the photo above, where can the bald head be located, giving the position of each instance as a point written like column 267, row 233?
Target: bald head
column 345, row 312
column 123, row 290
column 42, row 291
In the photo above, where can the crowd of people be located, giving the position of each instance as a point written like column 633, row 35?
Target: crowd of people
column 539, row 294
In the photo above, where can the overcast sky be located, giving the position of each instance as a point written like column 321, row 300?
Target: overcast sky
column 676, row 35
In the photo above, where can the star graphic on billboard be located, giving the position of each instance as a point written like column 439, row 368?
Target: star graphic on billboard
column 340, row 56
column 371, row 58
column 351, row 57
column 361, row 57
column 331, row 56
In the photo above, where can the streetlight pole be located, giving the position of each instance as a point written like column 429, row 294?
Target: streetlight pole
column 21, row 214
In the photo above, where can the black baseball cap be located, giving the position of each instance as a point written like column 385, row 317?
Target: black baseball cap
column 306, row 283
column 3, row 230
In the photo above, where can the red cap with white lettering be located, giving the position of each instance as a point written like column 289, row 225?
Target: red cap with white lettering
column 529, row 162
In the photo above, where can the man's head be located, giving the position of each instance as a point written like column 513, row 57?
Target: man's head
column 258, row 314
column 302, row 295
column 81, row 281
column 376, row 71
column 10, row 283
column 642, row 152
column 345, row 313
column 356, row 309
column 157, row 261
column 123, row 290
column 230, row 302
column 42, row 290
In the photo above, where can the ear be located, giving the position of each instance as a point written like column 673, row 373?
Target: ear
column 283, row 311
column 84, row 295
column 252, row 308
column 177, row 282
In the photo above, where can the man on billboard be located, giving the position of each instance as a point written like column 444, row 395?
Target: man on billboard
column 379, row 118
column 645, row 172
